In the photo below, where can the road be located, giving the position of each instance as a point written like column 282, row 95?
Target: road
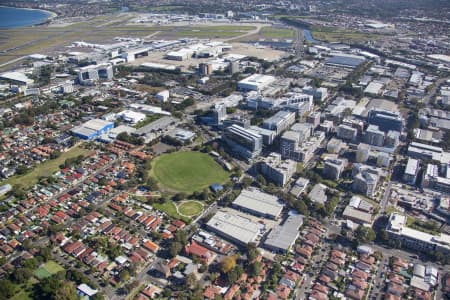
column 252, row 32
column 433, row 91
column 384, row 201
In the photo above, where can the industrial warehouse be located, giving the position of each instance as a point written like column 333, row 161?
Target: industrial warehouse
column 259, row 203
column 282, row 237
column 235, row 227
column 92, row 129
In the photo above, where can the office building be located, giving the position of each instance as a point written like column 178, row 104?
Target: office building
column 267, row 135
column 432, row 178
column 304, row 130
column 386, row 120
column 244, row 142
column 425, row 152
column 299, row 186
column 411, row 171
column 334, row 146
column 163, row 96
column 219, row 113
column 314, row 119
column 357, row 216
column 412, row 239
column 392, row 139
column 234, row 67
column 258, row 203
column 283, row 236
column 374, row 136
column 362, row 153
column 318, row 194
column 383, row 159
column 346, row 132
column 205, row 68
column 365, row 180
column 240, row 120
column 90, row 74
column 319, row 94
column 132, row 117
column 281, row 121
column 235, row 227
column 299, row 145
column 277, row 170
column 333, row 168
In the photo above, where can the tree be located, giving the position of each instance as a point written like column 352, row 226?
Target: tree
column 227, row 264
column 261, row 179
column 152, row 184
column 179, row 196
column 31, row 263
column 255, row 269
column 6, row 288
column 234, row 274
column 124, row 275
column 47, row 287
column 246, row 182
column 383, row 236
column 252, row 252
column 364, row 234
column 55, row 154
column 46, row 253
column 175, row 248
column 21, row 275
column 66, row 292
column 98, row 296
column 190, row 281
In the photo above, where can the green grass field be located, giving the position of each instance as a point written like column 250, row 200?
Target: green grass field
column 190, row 208
column 187, row 171
column 219, row 31
column 45, row 169
column 53, row 267
column 42, row 273
column 170, row 209
column 277, row 33
column 331, row 35
column 48, row 269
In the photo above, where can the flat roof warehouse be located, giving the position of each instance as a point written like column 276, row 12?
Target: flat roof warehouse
column 282, row 237
column 259, row 203
column 235, row 227
column 350, row 61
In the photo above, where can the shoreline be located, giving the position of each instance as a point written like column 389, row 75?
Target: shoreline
column 51, row 14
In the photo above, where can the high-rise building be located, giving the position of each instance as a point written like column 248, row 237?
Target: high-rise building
column 365, row 180
column 278, row 170
column 205, row 68
column 234, row 67
column 374, row 136
column 346, row 132
column 281, row 121
column 333, row 168
column 411, row 171
column 362, row 153
column 244, row 142
column 93, row 73
column 219, row 113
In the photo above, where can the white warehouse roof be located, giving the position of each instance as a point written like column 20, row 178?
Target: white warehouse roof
column 259, row 202
column 236, row 227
